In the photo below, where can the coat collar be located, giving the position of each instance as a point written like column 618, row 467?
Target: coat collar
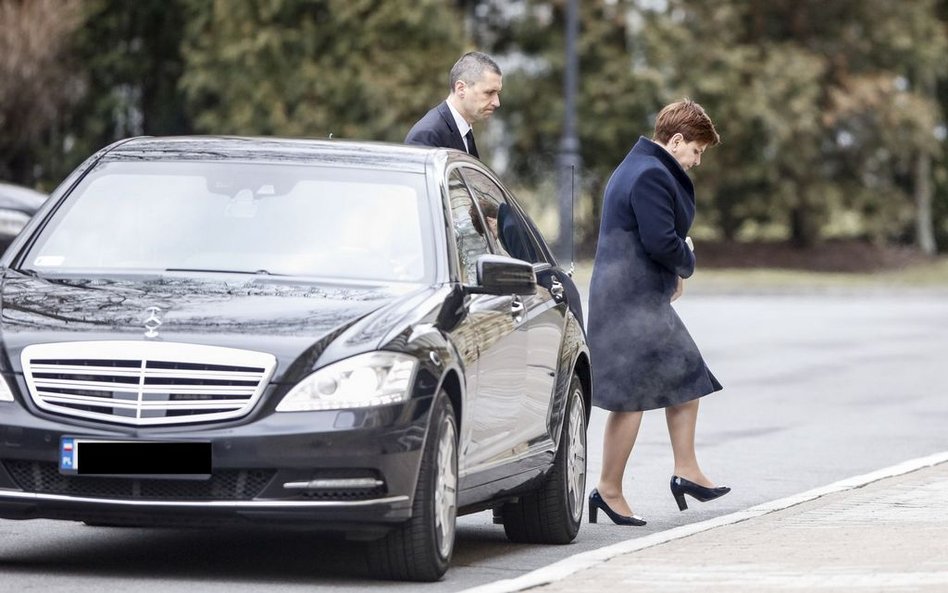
column 649, row 147
column 459, row 121
column 448, row 118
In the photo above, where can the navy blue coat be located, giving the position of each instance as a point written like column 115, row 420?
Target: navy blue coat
column 642, row 354
column 437, row 128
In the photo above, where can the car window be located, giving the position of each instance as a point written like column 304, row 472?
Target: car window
column 509, row 235
column 534, row 236
column 250, row 218
column 468, row 228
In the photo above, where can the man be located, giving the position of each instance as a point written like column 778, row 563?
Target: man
column 475, row 94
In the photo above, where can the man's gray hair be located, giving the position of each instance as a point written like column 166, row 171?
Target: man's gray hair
column 470, row 68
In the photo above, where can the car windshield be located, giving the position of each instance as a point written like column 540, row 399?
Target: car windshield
column 294, row 220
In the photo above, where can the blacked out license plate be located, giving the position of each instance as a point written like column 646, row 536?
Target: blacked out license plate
column 88, row 457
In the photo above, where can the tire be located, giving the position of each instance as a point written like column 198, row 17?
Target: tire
column 421, row 548
column 552, row 514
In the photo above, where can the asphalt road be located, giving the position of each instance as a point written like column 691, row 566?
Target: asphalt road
column 817, row 388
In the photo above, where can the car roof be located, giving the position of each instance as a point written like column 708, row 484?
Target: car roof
column 275, row 150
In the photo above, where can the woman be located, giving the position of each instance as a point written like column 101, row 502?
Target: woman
column 643, row 357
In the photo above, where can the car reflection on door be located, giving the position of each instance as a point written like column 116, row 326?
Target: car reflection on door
column 501, row 378
column 546, row 318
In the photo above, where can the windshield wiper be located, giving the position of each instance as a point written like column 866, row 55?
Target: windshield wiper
column 216, row 271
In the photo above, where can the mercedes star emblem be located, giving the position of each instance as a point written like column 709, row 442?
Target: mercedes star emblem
column 152, row 321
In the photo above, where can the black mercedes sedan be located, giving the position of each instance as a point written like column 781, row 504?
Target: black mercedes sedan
column 358, row 339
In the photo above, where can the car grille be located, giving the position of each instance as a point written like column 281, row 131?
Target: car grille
column 145, row 383
column 44, row 478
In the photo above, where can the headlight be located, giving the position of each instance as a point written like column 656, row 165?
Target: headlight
column 5, row 394
column 367, row 380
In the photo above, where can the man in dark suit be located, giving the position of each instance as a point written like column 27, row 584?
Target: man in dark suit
column 476, row 82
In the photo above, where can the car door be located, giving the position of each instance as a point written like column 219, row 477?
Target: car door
column 544, row 312
column 496, row 382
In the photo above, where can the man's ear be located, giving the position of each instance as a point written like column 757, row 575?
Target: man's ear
column 460, row 87
column 677, row 138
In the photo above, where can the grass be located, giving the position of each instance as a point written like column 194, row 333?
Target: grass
column 926, row 277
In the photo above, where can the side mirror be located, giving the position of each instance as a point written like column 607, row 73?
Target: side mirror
column 498, row 274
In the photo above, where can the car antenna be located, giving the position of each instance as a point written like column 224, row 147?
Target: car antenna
column 572, row 220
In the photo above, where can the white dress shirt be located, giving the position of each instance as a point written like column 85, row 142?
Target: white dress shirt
column 462, row 124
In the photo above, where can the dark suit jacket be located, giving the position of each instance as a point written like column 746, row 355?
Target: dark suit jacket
column 437, row 128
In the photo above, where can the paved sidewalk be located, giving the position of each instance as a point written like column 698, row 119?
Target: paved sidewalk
column 887, row 535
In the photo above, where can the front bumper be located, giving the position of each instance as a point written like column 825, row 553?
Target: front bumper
column 335, row 470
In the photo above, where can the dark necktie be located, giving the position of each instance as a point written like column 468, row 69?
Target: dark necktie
column 471, row 147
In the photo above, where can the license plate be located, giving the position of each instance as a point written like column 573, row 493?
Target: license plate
column 134, row 458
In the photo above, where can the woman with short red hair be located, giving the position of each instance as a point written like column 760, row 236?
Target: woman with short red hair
column 642, row 354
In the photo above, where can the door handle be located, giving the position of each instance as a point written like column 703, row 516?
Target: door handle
column 557, row 290
column 517, row 308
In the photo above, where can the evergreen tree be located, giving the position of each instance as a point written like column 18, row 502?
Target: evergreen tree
column 363, row 69
column 129, row 58
column 821, row 114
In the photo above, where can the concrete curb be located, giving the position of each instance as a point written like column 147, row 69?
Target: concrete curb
column 564, row 568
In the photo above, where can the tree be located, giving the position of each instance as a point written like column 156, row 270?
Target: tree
column 37, row 80
column 825, row 124
column 126, row 56
column 832, row 113
column 816, row 103
column 348, row 68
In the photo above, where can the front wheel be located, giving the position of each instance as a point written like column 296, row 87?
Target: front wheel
column 552, row 514
column 421, row 548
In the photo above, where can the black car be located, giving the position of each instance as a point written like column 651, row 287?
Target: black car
column 356, row 338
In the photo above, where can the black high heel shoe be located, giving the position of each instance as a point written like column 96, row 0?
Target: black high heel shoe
column 596, row 502
column 680, row 487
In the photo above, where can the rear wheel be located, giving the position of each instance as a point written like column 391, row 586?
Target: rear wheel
column 421, row 548
column 552, row 514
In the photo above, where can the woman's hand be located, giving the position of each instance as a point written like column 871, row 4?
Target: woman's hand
column 679, row 289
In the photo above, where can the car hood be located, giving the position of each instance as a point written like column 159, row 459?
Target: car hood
column 293, row 321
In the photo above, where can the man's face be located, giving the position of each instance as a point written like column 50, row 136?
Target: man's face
column 479, row 99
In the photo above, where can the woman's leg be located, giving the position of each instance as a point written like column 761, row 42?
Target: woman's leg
column 682, row 420
column 622, row 428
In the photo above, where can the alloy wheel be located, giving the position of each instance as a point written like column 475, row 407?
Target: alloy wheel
column 446, row 490
column 576, row 464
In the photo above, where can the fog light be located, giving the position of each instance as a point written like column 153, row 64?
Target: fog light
column 335, row 484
